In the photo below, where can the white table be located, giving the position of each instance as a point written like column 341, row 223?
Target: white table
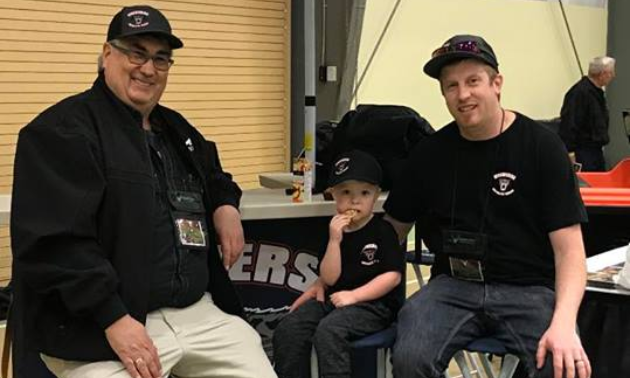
column 602, row 260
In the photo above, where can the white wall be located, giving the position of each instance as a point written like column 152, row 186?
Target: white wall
column 529, row 38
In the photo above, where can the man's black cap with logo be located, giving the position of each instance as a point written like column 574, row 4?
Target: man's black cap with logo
column 139, row 20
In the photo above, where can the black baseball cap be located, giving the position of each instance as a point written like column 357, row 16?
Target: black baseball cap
column 457, row 48
column 142, row 19
column 355, row 165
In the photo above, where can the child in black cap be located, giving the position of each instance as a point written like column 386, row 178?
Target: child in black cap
column 362, row 266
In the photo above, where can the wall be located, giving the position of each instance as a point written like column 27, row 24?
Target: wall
column 232, row 79
column 529, row 37
column 618, row 96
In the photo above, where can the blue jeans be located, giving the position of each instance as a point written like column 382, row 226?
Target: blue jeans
column 448, row 314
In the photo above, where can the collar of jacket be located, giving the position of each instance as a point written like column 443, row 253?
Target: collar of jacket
column 100, row 86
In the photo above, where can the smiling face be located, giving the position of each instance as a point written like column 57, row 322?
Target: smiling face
column 471, row 90
column 139, row 86
column 358, row 196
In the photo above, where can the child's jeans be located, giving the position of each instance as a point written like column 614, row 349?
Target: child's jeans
column 331, row 330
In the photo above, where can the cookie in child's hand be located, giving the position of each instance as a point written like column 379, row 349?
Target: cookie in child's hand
column 351, row 213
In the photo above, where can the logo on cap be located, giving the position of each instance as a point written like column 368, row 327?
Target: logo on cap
column 341, row 166
column 140, row 19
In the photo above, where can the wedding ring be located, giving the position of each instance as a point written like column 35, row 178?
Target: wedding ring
column 139, row 361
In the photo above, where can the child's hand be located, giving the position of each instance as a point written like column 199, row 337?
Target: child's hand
column 337, row 225
column 343, row 298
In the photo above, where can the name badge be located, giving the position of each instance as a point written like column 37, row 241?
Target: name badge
column 190, row 232
column 466, row 269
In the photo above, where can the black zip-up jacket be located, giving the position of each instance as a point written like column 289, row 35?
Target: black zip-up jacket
column 80, row 232
column 584, row 116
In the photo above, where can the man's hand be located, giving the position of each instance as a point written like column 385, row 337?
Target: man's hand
column 227, row 223
column 316, row 290
column 568, row 355
column 343, row 298
column 129, row 339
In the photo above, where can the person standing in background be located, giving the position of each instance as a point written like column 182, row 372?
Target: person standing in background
column 584, row 116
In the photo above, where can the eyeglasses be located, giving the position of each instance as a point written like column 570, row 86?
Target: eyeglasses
column 161, row 62
column 465, row 46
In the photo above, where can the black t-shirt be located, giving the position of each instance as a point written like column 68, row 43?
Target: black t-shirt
column 525, row 177
column 179, row 276
column 368, row 252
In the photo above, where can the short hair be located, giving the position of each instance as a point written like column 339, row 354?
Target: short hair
column 601, row 64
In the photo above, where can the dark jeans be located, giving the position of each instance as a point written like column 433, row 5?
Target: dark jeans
column 331, row 330
column 591, row 158
column 448, row 313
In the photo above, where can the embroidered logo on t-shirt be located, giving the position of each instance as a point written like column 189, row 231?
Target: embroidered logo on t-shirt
column 503, row 184
column 368, row 254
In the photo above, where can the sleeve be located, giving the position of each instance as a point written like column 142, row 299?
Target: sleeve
column 222, row 188
column 402, row 201
column 394, row 252
column 58, row 186
column 573, row 112
column 561, row 202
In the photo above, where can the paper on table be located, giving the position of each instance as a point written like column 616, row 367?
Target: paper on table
column 624, row 275
column 612, row 257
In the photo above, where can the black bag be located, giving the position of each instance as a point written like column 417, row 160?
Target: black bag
column 324, row 153
column 387, row 132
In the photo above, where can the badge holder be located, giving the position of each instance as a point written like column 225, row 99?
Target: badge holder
column 465, row 251
column 189, row 220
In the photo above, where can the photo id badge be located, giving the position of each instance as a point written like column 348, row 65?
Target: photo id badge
column 466, row 269
column 190, row 232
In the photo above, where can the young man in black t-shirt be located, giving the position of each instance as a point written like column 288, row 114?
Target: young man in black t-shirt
column 493, row 195
column 361, row 268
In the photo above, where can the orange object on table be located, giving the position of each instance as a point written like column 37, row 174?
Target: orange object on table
column 608, row 189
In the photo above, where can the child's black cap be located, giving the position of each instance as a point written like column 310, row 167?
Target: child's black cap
column 355, row 165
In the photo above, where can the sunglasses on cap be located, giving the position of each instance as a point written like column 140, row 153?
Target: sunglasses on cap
column 464, row 46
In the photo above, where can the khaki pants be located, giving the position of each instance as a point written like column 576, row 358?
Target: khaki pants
column 199, row 341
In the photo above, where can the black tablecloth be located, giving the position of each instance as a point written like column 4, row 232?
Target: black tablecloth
column 604, row 321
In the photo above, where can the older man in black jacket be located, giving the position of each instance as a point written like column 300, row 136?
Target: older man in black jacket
column 118, row 204
column 584, row 116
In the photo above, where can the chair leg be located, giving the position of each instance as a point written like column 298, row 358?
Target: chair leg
column 487, row 365
column 389, row 368
column 418, row 273
column 510, row 362
column 314, row 365
column 474, row 360
column 460, row 358
column 381, row 363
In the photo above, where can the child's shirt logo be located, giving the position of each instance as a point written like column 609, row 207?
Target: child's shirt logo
column 368, row 255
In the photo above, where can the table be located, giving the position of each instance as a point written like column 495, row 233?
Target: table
column 604, row 322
